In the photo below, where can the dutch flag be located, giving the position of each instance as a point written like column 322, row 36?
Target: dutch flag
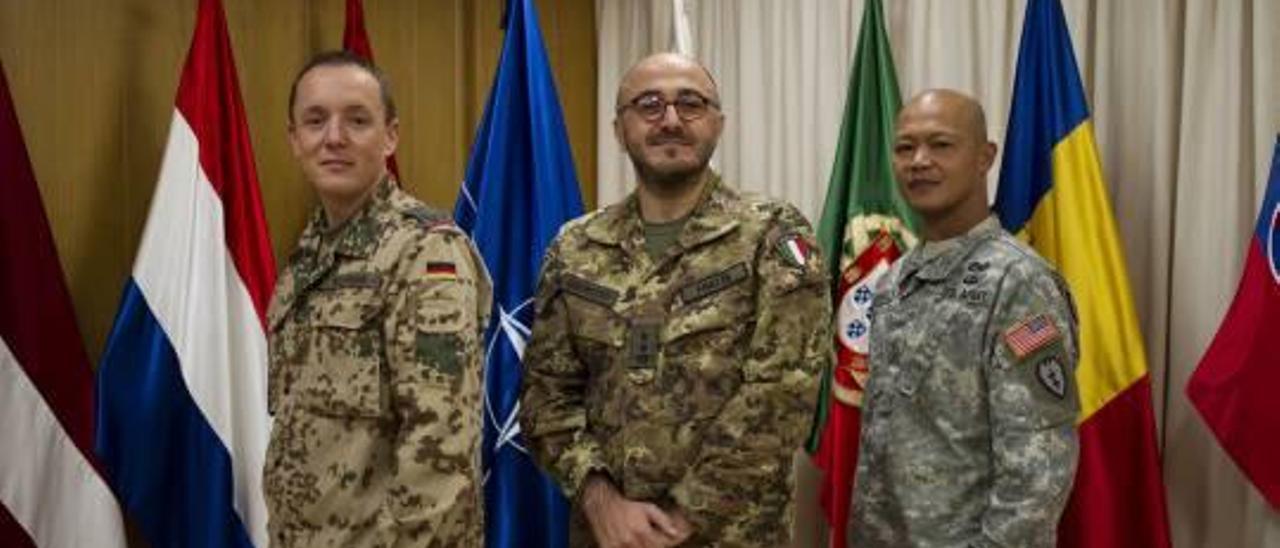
column 182, row 411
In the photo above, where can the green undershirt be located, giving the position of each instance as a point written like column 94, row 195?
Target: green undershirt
column 659, row 236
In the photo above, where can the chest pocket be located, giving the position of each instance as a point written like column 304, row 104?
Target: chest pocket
column 714, row 309
column 343, row 376
column 597, row 330
column 929, row 348
column 707, row 339
column 900, row 350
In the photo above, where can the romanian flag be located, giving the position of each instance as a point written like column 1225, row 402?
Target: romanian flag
column 1234, row 386
column 1052, row 193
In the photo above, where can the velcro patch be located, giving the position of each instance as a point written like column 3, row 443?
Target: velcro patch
column 714, row 283
column 589, row 290
column 1052, row 376
column 439, row 350
column 794, row 250
column 1031, row 334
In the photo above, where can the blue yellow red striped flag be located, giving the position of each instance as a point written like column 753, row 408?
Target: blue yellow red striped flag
column 1052, row 193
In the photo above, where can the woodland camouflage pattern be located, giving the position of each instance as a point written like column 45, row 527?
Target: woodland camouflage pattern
column 375, row 382
column 964, row 443
column 689, row 379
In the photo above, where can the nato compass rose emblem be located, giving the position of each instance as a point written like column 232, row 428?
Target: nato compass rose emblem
column 1273, row 243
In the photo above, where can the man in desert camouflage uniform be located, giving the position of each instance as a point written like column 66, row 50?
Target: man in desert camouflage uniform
column 679, row 335
column 375, row 379
column 968, row 426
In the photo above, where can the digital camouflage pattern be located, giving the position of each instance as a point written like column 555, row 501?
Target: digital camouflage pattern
column 688, row 379
column 964, row 442
column 375, row 382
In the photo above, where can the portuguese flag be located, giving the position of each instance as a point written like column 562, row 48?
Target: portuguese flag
column 865, row 226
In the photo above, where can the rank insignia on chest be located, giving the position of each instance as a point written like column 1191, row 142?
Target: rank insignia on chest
column 440, row 269
column 794, row 250
column 1030, row 335
column 643, row 343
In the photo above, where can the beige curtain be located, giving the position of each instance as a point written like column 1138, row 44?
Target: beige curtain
column 1185, row 96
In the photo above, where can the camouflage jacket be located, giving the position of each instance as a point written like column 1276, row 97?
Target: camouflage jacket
column 690, row 379
column 375, row 382
column 968, row 426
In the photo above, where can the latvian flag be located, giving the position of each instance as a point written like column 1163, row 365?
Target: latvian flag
column 50, row 492
column 182, row 411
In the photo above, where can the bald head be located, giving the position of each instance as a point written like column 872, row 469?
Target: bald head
column 941, row 156
column 640, row 78
column 963, row 111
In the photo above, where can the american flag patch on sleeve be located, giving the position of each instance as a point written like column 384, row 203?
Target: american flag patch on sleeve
column 1031, row 334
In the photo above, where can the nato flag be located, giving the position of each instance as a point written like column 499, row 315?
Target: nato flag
column 520, row 187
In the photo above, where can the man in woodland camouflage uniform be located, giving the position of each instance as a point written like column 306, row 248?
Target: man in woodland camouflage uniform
column 968, row 426
column 375, row 379
column 679, row 335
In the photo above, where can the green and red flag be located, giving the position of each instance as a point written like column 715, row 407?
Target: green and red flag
column 865, row 226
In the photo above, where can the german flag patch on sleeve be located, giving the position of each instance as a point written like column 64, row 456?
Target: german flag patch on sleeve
column 441, row 269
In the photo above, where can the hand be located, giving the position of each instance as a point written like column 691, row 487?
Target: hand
column 618, row 522
column 682, row 525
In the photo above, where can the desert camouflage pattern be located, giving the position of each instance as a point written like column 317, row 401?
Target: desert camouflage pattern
column 690, row 378
column 964, row 442
column 375, row 382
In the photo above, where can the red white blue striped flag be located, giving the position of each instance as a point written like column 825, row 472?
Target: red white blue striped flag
column 183, row 423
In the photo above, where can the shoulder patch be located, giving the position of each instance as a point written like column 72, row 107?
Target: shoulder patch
column 794, row 250
column 440, row 270
column 1052, row 376
column 1031, row 334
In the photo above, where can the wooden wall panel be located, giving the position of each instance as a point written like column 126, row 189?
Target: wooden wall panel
column 94, row 84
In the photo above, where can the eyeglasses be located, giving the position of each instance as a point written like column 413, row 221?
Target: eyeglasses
column 653, row 106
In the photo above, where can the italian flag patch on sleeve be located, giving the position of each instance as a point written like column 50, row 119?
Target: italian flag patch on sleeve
column 794, row 250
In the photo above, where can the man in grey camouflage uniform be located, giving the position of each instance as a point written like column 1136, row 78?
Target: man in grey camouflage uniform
column 678, row 339
column 375, row 379
column 968, row 426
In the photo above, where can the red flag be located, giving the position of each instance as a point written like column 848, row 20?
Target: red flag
column 50, row 490
column 355, row 39
column 837, row 452
column 1234, row 385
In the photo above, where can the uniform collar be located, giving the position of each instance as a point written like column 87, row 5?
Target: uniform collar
column 358, row 237
column 934, row 261
column 621, row 224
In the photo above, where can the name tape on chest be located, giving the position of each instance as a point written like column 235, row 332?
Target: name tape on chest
column 1030, row 335
column 714, row 283
column 352, row 280
column 586, row 289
